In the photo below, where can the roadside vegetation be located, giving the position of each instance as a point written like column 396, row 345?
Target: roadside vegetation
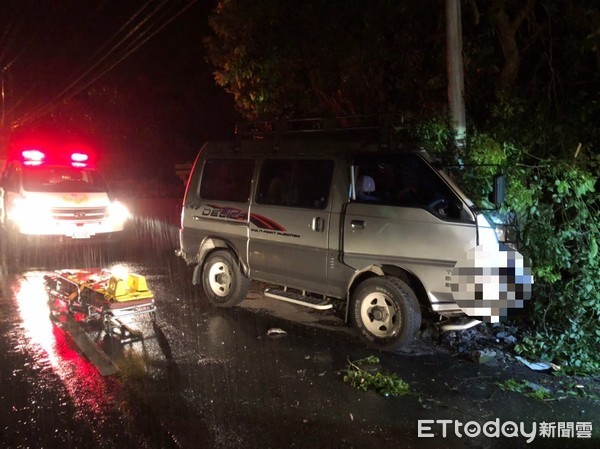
column 532, row 77
column 553, row 204
column 365, row 375
column 544, row 393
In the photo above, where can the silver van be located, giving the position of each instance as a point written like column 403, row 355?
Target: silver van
column 328, row 216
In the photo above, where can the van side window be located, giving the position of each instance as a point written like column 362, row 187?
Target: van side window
column 405, row 181
column 303, row 183
column 227, row 180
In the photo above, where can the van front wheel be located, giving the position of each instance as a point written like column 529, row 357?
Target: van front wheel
column 386, row 312
column 223, row 281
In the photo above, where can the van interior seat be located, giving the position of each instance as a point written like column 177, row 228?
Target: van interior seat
column 365, row 184
column 365, row 187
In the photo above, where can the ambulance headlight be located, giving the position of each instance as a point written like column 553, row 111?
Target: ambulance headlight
column 118, row 212
column 28, row 213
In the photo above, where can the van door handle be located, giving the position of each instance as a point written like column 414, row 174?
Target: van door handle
column 318, row 224
column 357, row 224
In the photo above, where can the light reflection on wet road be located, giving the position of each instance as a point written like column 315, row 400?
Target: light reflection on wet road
column 203, row 374
column 51, row 395
column 207, row 377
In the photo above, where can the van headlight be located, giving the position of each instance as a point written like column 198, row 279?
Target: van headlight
column 118, row 212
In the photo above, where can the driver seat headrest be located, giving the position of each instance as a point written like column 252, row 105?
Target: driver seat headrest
column 365, row 184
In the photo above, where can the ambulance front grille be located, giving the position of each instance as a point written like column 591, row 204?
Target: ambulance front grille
column 79, row 214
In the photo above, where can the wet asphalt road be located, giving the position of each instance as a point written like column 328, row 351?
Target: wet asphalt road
column 205, row 377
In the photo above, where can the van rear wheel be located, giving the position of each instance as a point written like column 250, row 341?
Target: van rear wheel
column 223, row 281
column 386, row 312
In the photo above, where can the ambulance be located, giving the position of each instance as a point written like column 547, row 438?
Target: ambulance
column 53, row 192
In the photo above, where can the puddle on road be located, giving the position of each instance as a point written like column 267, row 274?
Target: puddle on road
column 55, row 364
column 145, row 236
column 53, row 396
column 52, row 349
column 55, row 372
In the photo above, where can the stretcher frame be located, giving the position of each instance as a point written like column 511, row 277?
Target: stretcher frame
column 86, row 296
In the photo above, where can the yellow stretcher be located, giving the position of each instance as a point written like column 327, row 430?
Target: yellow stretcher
column 99, row 295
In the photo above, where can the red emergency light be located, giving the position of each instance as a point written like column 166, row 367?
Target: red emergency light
column 49, row 153
column 79, row 159
column 33, row 157
column 37, row 157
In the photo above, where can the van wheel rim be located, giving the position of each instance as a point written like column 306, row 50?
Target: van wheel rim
column 220, row 279
column 379, row 315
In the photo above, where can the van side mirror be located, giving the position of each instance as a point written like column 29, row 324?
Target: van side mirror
column 499, row 190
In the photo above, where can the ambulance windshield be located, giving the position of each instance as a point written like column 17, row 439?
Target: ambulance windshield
column 62, row 179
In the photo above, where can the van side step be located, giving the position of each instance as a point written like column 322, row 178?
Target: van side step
column 297, row 298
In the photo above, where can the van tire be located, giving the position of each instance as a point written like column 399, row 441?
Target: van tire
column 386, row 312
column 223, row 281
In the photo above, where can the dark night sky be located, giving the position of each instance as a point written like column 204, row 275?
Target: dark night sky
column 161, row 96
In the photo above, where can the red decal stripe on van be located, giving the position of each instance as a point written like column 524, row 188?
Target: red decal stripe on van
column 263, row 222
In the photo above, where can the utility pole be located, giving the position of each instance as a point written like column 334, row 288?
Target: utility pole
column 454, row 67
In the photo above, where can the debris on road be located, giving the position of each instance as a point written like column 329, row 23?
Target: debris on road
column 536, row 366
column 484, row 356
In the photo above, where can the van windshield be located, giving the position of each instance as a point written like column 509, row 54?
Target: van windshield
column 62, row 179
column 404, row 180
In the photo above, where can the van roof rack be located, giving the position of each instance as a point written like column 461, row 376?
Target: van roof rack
column 387, row 127
column 321, row 124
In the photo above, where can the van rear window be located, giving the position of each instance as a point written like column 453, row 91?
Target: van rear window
column 303, row 183
column 227, row 180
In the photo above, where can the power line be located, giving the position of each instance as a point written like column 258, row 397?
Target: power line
column 115, row 48
column 134, row 33
column 49, row 106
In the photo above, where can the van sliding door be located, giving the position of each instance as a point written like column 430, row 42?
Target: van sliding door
column 289, row 223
